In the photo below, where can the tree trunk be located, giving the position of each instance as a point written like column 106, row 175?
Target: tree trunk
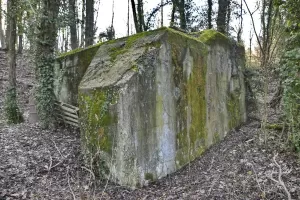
column 82, row 24
column 20, row 30
column 12, row 34
column 209, row 14
column 178, row 6
column 2, row 38
column 44, row 60
column 72, row 21
column 20, row 48
column 140, row 9
column 89, row 23
column 221, row 19
column 174, row 6
column 162, row 14
column 228, row 16
column 66, row 40
column 181, row 8
column 128, row 14
column 268, row 30
column 250, row 49
column 13, row 114
column 135, row 18
column 240, row 29
column 7, row 27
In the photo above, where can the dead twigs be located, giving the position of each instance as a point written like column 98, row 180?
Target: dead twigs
column 74, row 197
column 280, row 181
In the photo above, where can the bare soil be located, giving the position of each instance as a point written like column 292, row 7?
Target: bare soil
column 46, row 164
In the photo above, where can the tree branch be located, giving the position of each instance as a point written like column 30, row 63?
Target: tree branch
column 154, row 11
column 251, row 15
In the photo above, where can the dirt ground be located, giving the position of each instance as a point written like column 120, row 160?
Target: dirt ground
column 46, row 164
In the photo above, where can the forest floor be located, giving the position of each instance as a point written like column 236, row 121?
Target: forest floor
column 46, row 164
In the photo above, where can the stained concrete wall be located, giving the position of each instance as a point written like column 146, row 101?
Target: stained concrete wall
column 69, row 69
column 153, row 102
column 225, row 87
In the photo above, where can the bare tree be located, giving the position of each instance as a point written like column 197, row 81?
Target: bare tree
column 2, row 38
column 209, row 13
column 12, row 34
column 181, row 9
column 140, row 9
column 89, row 23
column 162, row 14
column 128, row 14
column 72, row 23
column 135, row 17
column 240, row 28
column 223, row 15
column 82, row 23
column 12, row 112
column 268, row 46
column 174, row 8
column 179, row 6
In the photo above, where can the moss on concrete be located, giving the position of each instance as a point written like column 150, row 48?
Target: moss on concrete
column 211, row 37
column 233, row 109
column 80, row 50
column 96, row 119
column 72, row 66
column 149, row 176
column 130, row 42
column 190, row 143
column 216, row 137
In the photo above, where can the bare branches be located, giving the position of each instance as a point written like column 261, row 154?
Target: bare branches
column 280, row 181
column 74, row 197
column 256, row 179
column 154, row 11
column 90, row 171
column 253, row 24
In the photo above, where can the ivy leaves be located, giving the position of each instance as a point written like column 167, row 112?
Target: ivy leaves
column 290, row 76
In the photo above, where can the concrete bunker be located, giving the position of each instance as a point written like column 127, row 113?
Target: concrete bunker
column 153, row 102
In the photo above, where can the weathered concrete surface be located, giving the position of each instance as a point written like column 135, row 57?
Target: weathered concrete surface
column 225, row 88
column 69, row 69
column 153, row 102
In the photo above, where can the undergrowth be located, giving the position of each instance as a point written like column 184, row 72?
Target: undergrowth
column 290, row 74
column 11, row 109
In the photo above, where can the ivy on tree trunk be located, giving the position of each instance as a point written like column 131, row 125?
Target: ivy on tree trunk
column 44, row 59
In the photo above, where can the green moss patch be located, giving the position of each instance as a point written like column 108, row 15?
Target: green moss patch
column 211, row 36
column 95, row 119
column 190, row 143
column 149, row 176
column 233, row 108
